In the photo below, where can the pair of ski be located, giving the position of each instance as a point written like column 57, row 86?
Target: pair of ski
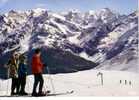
column 64, row 93
column 48, row 93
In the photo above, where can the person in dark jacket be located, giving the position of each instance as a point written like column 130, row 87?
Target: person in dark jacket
column 13, row 65
column 37, row 70
column 22, row 73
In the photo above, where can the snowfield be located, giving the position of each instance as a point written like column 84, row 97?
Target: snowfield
column 85, row 83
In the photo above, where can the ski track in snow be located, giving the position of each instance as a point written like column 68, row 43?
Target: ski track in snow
column 85, row 83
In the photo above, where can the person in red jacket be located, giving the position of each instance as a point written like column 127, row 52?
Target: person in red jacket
column 37, row 70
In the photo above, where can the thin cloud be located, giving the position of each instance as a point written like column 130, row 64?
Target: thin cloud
column 40, row 5
column 3, row 2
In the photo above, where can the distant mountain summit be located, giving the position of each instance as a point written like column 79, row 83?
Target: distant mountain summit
column 93, row 37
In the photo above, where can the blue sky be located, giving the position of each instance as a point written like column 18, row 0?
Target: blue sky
column 122, row 6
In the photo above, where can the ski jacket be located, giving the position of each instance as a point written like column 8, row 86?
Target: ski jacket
column 22, row 71
column 13, row 66
column 37, row 65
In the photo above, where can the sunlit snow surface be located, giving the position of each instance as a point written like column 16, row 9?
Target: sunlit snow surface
column 85, row 83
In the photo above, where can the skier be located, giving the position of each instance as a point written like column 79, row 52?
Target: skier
column 22, row 73
column 13, row 65
column 37, row 70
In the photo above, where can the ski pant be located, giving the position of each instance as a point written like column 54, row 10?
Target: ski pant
column 15, row 85
column 38, row 79
column 22, row 83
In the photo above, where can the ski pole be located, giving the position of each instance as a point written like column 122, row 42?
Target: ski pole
column 7, row 86
column 1, row 86
column 45, row 86
column 51, row 80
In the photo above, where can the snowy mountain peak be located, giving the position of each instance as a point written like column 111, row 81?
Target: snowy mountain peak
column 38, row 10
column 106, row 10
column 75, row 11
column 98, row 35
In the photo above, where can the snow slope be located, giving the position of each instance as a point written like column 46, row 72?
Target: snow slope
column 86, row 83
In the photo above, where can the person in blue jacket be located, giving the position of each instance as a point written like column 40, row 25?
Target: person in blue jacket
column 22, row 73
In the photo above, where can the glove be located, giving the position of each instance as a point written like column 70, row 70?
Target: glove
column 45, row 64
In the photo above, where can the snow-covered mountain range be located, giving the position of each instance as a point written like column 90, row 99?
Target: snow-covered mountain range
column 101, row 39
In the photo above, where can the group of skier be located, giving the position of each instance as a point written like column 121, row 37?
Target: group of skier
column 17, row 69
